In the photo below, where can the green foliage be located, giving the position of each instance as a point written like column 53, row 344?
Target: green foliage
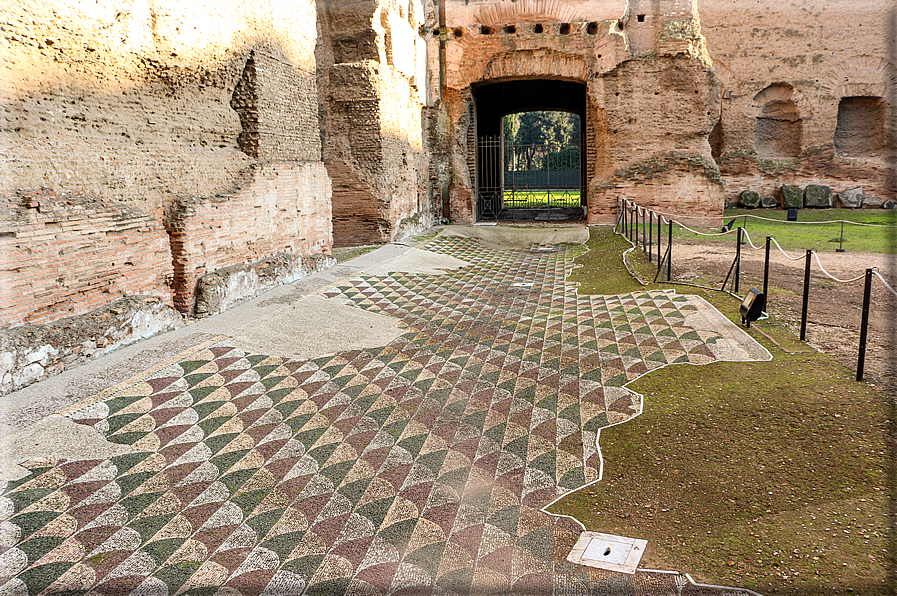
column 527, row 131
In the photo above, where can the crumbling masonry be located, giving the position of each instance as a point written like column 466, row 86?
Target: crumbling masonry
column 168, row 159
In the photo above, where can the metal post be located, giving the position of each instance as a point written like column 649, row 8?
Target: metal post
column 737, row 259
column 766, row 274
column 644, row 233
column 659, row 230
column 650, row 235
column 670, row 253
column 867, row 294
column 841, row 239
column 803, row 314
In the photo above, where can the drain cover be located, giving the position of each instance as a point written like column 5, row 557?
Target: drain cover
column 604, row 551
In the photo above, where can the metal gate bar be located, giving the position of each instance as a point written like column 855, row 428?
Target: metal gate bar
column 536, row 182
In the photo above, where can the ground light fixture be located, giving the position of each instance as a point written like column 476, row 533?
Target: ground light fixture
column 752, row 306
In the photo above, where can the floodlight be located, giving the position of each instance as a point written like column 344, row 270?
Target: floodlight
column 792, row 215
column 752, row 306
column 729, row 225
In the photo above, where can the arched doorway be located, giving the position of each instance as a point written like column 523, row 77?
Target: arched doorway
column 551, row 187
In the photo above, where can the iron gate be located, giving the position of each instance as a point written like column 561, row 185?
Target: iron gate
column 540, row 182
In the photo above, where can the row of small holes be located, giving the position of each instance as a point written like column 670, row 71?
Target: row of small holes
column 563, row 29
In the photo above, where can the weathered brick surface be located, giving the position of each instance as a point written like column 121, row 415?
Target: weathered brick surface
column 118, row 112
column 280, row 207
column 372, row 86
column 65, row 254
column 757, row 46
column 650, row 92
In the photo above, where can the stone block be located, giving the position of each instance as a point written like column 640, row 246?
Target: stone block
column 818, row 196
column 851, row 198
column 749, row 199
column 889, row 205
column 769, row 202
column 792, row 197
column 873, row 202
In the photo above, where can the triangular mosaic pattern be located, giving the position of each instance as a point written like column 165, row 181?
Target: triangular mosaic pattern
column 415, row 468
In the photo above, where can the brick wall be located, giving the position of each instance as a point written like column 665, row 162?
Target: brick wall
column 118, row 112
column 807, row 47
column 280, row 207
column 372, row 81
column 650, row 91
column 66, row 255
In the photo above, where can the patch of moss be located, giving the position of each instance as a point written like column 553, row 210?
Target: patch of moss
column 659, row 165
column 679, row 29
column 767, row 475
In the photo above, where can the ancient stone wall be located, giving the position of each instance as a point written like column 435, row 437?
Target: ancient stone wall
column 372, row 77
column 148, row 143
column 115, row 110
column 804, row 93
column 651, row 97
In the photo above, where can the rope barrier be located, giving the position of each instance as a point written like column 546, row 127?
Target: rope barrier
column 781, row 250
column 662, row 221
column 887, row 285
column 723, row 218
column 755, row 247
column 683, row 226
column 843, row 281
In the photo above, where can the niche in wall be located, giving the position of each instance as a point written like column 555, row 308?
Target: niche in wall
column 779, row 128
column 861, row 127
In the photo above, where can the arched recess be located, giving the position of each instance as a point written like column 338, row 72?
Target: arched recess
column 779, row 129
column 495, row 99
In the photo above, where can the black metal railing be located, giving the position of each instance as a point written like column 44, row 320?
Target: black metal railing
column 538, row 181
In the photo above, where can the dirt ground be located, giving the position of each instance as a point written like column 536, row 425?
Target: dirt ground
column 834, row 312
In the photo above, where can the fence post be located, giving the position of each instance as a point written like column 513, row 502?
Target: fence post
column 617, row 218
column 659, row 231
column 766, row 274
column 864, row 326
column 737, row 259
column 650, row 236
column 623, row 216
column 803, row 314
column 644, row 228
column 670, row 253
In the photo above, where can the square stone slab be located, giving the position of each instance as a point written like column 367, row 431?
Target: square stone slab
column 605, row 551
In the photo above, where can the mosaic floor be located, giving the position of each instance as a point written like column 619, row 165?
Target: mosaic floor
column 416, row 468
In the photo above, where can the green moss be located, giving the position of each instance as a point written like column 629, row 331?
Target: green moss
column 767, row 475
column 767, row 166
column 660, row 165
column 777, row 166
column 680, row 29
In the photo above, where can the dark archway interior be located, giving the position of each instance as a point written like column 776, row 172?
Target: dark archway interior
column 495, row 100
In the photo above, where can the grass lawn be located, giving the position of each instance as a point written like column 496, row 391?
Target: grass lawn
column 540, row 199
column 766, row 475
column 801, row 235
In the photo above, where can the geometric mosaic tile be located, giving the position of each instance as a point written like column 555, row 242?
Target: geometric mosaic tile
column 417, row 467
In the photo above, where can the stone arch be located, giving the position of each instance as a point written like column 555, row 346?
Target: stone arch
column 528, row 10
column 779, row 127
column 536, row 64
column 860, row 76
